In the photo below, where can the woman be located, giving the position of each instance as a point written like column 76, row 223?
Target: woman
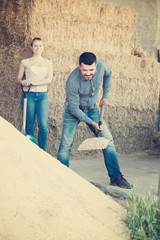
column 39, row 73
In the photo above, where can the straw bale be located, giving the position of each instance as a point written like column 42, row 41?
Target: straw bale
column 67, row 19
column 138, row 51
column 13, row 21
column 68, row 28
column 50, row 199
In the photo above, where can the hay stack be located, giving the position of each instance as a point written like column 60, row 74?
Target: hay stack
column 67, row 30
column 44, row 200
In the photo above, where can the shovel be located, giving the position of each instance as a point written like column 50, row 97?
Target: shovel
column 97, row 142
column 23, row 129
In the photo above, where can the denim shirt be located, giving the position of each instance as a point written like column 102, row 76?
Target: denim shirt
column 81, row 92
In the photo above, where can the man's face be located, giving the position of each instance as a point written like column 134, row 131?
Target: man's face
column 87, row 71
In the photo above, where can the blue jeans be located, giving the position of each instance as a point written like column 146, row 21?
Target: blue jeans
column 70, row 124
column 37, row 105
column 157, row 120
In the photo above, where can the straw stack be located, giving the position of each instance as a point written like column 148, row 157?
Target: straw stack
column 44, row 200
column 68, row 28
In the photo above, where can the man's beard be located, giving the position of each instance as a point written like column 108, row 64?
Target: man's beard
column 88, row 76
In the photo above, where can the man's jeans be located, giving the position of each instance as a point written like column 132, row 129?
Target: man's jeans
column 70, row 124
column 37, row 104
column 157, row 120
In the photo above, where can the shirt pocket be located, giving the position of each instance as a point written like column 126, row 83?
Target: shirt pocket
column 98, row 81
column 85, row 88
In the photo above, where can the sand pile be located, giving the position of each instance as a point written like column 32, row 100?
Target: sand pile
column 41, row 199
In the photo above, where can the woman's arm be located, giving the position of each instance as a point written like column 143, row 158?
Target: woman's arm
column 20, row 73
column 20, row 76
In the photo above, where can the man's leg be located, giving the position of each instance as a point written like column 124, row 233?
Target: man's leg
column 109, row 153
column 157, row 120
column 110, row 156
column 70, row 124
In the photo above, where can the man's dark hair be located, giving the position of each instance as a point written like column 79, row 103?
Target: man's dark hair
column 36, row 38
column 87, row 58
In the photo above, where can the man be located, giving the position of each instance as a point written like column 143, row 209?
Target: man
column 157, row 120
column 82, row 89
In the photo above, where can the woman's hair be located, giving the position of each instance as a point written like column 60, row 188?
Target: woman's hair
column 87, row 58
column 36, row 38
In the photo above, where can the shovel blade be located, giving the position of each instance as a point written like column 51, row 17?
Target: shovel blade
column 94, row 144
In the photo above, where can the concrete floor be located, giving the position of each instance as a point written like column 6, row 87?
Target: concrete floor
column 140, row 170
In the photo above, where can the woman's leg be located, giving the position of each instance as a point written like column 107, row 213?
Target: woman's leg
column 31, row 109
column 42, row 110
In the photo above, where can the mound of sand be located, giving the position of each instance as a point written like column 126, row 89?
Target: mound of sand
column 41, row 199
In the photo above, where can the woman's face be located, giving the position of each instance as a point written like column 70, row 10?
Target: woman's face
column 37, row 47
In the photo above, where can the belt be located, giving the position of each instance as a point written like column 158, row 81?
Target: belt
column 88, row 107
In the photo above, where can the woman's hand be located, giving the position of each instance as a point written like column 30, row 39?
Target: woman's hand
column 25, row 83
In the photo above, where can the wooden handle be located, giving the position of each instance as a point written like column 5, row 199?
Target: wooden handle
column 24, row 110
column 101, row 115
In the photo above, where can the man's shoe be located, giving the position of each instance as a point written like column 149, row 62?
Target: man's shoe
column 120, row 181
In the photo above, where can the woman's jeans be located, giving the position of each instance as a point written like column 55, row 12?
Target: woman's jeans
column 37, row 105
column 70, row 124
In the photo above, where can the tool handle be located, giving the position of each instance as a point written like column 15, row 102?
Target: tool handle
column 101, row 115
column 23, row 129
column 100, row 119
column 24, row 110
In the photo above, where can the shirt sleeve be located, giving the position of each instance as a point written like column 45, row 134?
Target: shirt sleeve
column 74, row 102
column 107, row 80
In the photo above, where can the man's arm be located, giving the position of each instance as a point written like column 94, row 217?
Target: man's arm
column 106, row 85
column 107, row 80
column 74, row 102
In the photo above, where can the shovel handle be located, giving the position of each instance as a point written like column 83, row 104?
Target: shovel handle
column 101, row 115
column 23, row 130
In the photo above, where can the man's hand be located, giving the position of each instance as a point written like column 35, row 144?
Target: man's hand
column 96, row 127
column 104, row 102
